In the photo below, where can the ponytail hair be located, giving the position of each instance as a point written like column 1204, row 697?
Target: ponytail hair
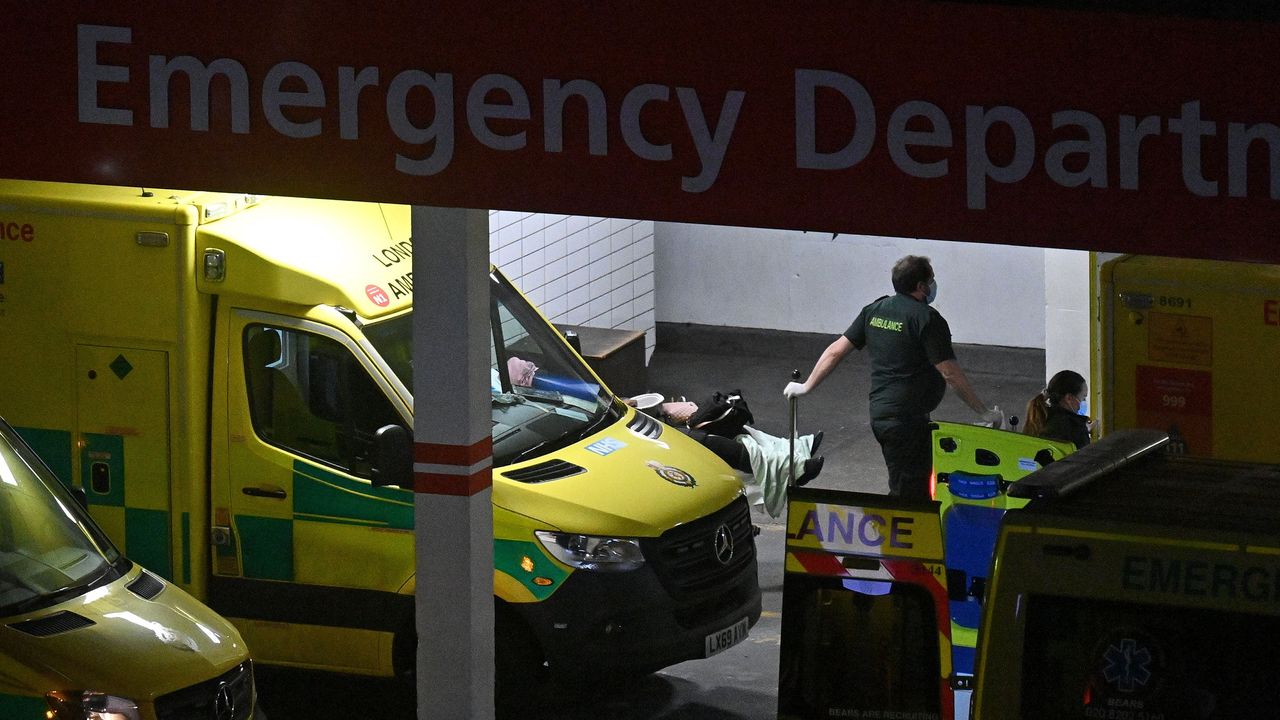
column 1036, row 414
column 1065, row 382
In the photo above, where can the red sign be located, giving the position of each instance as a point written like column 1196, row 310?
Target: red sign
column 1178, row 401
column 959, row 121
column 377, row 295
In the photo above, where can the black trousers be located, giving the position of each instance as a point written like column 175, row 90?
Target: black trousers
column 729, row 450
column 907, row 444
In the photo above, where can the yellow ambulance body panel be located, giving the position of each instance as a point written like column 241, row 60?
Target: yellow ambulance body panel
column 865, row 627
column 213, row 370
column 83, row 628
column 1137, row 583
column 1185, row 348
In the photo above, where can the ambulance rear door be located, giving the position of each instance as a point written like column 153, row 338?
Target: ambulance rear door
column 1183, row 344
column 866, row 631
column 122, row 425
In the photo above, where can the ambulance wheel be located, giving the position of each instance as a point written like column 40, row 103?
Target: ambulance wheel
column 520, row 666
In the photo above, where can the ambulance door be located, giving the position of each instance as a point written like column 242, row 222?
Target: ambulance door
column 1187, row 348
column 866, row 631
column 122, row 422
column 318, row 546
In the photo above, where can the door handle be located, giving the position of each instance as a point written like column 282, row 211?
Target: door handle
column 270, row 491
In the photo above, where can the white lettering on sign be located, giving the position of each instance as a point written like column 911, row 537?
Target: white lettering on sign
column 996, row 144
column 1079, row 155
column 492, row 97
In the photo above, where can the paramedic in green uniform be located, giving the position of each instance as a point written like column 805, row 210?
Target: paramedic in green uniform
column 912, row 363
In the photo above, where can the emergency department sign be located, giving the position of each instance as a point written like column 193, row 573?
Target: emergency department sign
column 961, row 121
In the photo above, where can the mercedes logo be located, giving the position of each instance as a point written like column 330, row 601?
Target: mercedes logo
column 724, row 544
column 224, row 703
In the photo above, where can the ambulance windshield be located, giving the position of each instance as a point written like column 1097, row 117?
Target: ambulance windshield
column 543, row 397
column 50, row 551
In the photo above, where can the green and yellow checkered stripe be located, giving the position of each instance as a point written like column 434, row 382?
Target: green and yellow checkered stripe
column 134, row 514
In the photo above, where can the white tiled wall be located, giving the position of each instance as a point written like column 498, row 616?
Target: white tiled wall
column 579, row 270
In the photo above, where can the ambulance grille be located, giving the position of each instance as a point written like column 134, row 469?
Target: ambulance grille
column 544, row 471
column 147, row 586
column 685, row 556
column 55, row 624
column 226, row 697
column 645, row 425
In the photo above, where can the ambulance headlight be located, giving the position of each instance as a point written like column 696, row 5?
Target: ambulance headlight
column 89, row 705
column 591, row 552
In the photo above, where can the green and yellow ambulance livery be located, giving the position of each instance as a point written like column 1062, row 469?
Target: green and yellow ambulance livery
column 1136, row 584
column 866, row 631
column 85, row 634
column 216, row 370
column 883, row 597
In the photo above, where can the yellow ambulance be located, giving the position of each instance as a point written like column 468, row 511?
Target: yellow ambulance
column 216, row 370
column 883, row 596
column 85, row 634
column 1181, row 348
column 1137, row 584
column 866, row 631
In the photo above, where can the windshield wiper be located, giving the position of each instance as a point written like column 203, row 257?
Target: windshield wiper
column 108, row 574
column 550, row 396
column 43, row 601
column 606, row 411
column 527, row 451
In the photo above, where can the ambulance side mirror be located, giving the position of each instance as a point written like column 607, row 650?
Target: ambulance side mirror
column 393, row 458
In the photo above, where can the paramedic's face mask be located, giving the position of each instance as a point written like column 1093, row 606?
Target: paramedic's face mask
column 931, row 293
column 1078, row 403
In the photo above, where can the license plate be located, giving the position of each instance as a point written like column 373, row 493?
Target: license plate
column 724, row 639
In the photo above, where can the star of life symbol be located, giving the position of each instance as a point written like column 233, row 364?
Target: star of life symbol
column 1128, row 666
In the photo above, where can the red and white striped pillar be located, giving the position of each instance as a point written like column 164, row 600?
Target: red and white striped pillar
column 453, row 463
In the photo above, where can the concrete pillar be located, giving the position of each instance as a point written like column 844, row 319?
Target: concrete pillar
column 453, row 464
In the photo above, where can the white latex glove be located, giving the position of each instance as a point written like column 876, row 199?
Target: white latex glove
column 794, row 389
column 993, row 418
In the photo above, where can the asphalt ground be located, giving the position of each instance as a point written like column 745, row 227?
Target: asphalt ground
column 741, row 682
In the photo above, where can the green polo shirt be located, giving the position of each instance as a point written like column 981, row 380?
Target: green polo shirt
column 906, row 339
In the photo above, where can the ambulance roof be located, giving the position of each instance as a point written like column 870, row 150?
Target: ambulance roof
column 300, row 251
column 1129, row 476
column 317, row 252
column 1158, row 271
column 97, row 199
